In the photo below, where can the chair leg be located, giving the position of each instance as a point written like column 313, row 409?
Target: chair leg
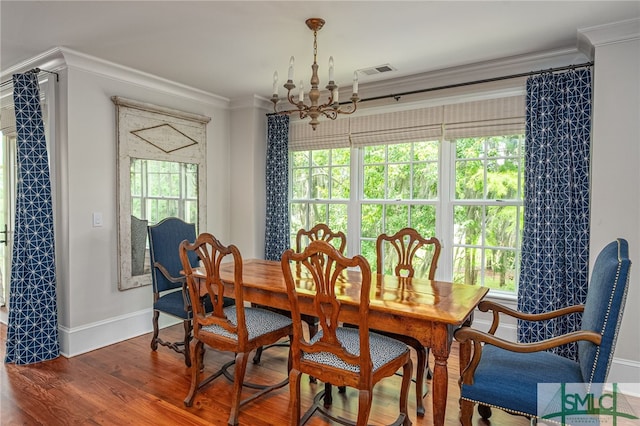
column 404, row 392
column 241, row 368
column 187, row 340
column 364, row 406
column 154, row 338
column 466, row 412
column 428, row 370
column 258, row 355
column 196, row 367
column 294, row 397
column 484, row 411
column 421, row 352
column 328, row 397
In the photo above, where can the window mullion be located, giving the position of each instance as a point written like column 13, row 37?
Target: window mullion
column 444, row 212
column 356, row 188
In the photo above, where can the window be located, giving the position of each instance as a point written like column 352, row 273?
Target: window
column 320, row 189
column 400, row 189
column 454, row 172
column 488, row 211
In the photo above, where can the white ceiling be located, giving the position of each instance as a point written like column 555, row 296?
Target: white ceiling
column 232, row 48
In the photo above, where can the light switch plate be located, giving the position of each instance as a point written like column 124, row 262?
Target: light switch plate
column 97, row 219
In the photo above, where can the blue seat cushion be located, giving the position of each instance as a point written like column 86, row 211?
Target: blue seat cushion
column 259, row 322
column 383, row 349
column 173, row 304
column 509, row 380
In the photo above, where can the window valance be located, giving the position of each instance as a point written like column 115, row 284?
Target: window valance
column 397, row 127
column 335, row 134
column 498, row 116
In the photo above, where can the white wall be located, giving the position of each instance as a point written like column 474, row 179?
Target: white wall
column 615, row 190
column 93, row 312
column 248, row 165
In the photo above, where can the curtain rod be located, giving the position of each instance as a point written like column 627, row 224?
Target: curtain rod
column 397, row 96
column 34, row 71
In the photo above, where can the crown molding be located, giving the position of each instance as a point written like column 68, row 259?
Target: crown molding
column 615, row 32
column 115, row 71
column 474, row 72
column 61, row 57
column 254, row 101
column 51, row 60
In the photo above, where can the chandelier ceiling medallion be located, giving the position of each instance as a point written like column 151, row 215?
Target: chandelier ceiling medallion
column 332, row 108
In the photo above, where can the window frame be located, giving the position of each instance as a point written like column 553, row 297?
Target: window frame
column 445, row 201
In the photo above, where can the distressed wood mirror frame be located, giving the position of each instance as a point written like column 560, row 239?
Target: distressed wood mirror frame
column 150, row 132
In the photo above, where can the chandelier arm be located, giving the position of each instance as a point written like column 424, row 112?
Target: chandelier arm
column 351, row 110
column 330, row 113
column 287, row 111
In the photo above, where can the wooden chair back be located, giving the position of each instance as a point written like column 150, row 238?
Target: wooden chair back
column 404, row 246
column 211, row 254
column 320, row 232
column 325, row 264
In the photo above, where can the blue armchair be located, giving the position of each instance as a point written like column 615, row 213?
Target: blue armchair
column 170, row 295
column 505, row 375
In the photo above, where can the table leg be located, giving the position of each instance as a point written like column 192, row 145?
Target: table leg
column 441, row 349
column 439, row 384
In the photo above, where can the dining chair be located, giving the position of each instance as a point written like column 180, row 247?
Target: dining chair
column 233, row 328
column 319, row 231
column 342, row 356
column 401, row 254
column 506, row 375
column 170, row 295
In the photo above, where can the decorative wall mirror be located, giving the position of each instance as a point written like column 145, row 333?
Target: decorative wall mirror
column 161, row 170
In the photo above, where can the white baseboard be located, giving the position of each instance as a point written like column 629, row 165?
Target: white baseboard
column 78, row 340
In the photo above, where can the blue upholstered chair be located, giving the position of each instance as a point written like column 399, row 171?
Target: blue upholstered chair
column 505, row 375
column 236, row 328
column 339, row 355
column 170, row 294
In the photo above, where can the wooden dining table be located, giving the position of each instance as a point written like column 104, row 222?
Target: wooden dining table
column 428, row 310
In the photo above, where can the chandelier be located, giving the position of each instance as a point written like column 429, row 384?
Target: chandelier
column 332, row 108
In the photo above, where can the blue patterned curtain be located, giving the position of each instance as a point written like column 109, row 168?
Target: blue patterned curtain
column 32, row 333
column 277, row 227
column 555, row 245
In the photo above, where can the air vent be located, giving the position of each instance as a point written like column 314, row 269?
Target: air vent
column 377, row 69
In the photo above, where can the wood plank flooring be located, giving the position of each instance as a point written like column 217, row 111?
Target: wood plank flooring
column 128, row 384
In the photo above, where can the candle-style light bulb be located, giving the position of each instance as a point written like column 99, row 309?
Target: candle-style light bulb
column 275, row 83
column 291, row 61
column 355, row 82
column 301, row 95
column 330, row 68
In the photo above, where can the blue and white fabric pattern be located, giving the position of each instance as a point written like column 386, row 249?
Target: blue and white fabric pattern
column 32, row 332
column 555, row 246
column 383, row 349
column 277, row 177
column 258, row 321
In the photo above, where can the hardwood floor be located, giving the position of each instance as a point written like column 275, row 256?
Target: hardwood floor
column 128, row 384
